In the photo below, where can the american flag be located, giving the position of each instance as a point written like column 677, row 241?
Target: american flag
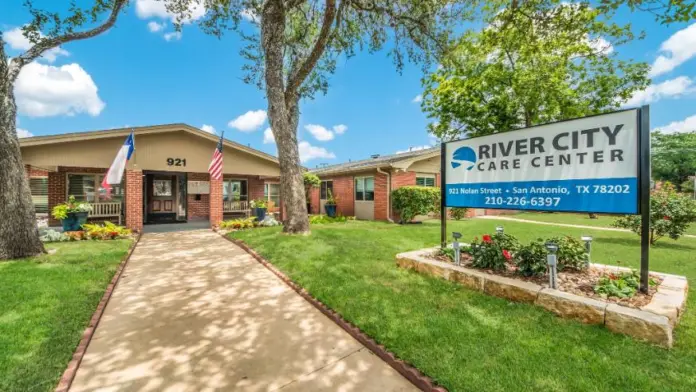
column 215, row 168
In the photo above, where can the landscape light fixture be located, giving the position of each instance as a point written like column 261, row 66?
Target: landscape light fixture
column 552, row 248
column 457, row 249
column 588, row 248
column 499, row 230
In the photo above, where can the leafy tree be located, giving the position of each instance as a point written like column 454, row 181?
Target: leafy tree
column 674, row 157
column 19, row 236
column 544, row 61
column 665, row 11
column 294, row 50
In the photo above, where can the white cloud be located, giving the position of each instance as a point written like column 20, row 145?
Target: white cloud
column 309, row 152
column 249, row 121
column 416, row 148
column 172, row 36
column 156, row 9
column 319, row 132
column 23, row 133
column 44, row 90
column 600, row 45
column 340, row 129
column 18, row 41
column 667, row 89
column 677, row 49
column 208, row 128
column 418, row 98
column 268, row 137
column 249, row 15
column 686, row 125
column 155, row 27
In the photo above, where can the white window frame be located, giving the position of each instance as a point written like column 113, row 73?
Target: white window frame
column 228, row 180
column 267, row 192
column 364, row 189
column 327, row 189
column 425, row 177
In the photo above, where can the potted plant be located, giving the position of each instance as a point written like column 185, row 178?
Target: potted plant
column 330, row 205
column 260, row 206
column 72, row 214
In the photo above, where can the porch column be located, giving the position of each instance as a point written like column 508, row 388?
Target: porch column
column 215, row 202
column 134, row 200
column 57, row 189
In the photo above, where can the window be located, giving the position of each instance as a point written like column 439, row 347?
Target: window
column 364, row 188
column 162, row 187
column 271, row 192
column 87, row 188
column 39, row 194
column 234, row 190
column 326, row 186
column 425, row 180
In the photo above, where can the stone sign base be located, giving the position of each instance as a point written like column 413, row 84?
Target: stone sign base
column 653, row 323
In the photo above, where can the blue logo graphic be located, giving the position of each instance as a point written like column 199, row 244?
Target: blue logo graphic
column 464, row 155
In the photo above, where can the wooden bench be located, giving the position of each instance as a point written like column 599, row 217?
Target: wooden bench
column 106, row 210
column 236, row 207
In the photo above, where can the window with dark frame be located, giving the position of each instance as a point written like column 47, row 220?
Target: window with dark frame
column 325, row 187
column 234, row 190
column 87, row 188
column 364, row 188
column 425, row 181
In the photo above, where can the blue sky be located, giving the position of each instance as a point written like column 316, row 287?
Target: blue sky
column 140, row 73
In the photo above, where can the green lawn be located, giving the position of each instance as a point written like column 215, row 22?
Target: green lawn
column 577, row 219
column 45, row 305
column 468, row 341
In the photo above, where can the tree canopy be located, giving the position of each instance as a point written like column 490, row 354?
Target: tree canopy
column 674, row 157
column 543, row 61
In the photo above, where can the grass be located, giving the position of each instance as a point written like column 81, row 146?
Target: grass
column 45, row 304
column 577, row 219
column 468, row 341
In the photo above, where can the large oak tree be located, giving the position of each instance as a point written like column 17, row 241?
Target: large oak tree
column 19, row 235
column 294, row 47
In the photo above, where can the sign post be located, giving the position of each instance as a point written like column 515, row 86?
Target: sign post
column 595, row 164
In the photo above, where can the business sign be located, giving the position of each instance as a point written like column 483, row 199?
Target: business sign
column 585, row 165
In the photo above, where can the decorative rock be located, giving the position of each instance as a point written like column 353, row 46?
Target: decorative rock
column 639, row 324
column 466, row 277
column 665, row 305
column 433, row 268
column 583, row 309
column 511, row 289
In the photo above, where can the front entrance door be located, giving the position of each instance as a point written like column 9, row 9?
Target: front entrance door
column 165, row 197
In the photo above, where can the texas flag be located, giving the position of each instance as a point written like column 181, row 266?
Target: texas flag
column 115, row 173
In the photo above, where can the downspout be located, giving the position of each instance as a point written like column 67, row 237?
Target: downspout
column 389, row 212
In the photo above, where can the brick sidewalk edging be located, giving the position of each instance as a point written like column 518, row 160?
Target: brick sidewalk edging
column 420, row 380
column 69, row 374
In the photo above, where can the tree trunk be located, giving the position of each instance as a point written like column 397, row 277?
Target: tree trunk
column 283, row 113
column 19, row 236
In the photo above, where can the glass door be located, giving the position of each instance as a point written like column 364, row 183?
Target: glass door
column 182, row 198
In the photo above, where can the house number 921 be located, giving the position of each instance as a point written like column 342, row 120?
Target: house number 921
column 176, row 162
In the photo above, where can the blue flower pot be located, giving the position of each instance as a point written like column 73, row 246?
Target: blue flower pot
column 74, row 221
column 260, row 214
column 330, row 210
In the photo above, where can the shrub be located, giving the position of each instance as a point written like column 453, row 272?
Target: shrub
column 321, row 219
column 458, row 213
column 259, row 203
column 410, row 201
column 621, row 285
column 61, row 211
column 331, row 200
column 53, row 236
column 75, row 235
column 107, row 231
column 571, row 253
column 531, row 258
column 239, row 224
column 269, row 221
column 670, row 215
column 311, row 179
column 493, row 252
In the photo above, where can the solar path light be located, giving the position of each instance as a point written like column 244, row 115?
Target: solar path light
column 552, row 248
column 457, row 249
column 499, row 230
column 588, row 248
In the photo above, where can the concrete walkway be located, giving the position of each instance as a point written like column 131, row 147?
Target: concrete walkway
column 194, row 312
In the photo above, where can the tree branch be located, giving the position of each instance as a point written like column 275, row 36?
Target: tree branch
column 296, row 80
column 49, row 43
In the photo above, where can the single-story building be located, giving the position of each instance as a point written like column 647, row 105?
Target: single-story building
column 166, row 179
column 363, row 188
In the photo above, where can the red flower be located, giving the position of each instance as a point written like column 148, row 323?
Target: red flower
column 612, row 277
column 487, row 239
column 666, row 218
column 506, row 254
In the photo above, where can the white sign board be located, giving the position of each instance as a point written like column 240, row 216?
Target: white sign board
column 198, row 187
column 584, row 165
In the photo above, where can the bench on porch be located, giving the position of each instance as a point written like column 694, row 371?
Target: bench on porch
column 236, row 207
column 106, row 210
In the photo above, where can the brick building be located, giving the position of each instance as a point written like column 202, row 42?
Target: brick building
column 166, row 180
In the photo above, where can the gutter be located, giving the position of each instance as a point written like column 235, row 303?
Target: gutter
column 389, row 212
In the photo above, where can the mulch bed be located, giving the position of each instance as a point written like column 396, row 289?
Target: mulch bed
column 571, row 281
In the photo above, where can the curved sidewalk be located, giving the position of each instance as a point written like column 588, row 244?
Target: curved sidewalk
column 194, row 312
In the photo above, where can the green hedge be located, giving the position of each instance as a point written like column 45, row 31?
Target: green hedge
column 410, row 201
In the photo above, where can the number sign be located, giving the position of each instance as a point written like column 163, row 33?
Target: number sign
column 176, row 162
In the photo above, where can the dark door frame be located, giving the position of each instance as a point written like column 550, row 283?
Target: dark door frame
column 147, row 183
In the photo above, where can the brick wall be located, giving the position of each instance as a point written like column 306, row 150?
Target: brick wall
column 255, row 190
column 314, row 195
column 57, row 183
column 343, row 192
column 398, row 180
column 198, row 206
column 32, row 171
column 381, row 196
column 134, row 199
column 215, row 202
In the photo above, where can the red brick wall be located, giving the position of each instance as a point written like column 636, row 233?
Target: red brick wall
column 381, row 196
column 32, row 171
column 215, row 202
column 314, row 195
column 134, row 199
column 255, row 190
column 57, row 183
column 344, row 194
column 199, row 209
column 400, row 179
